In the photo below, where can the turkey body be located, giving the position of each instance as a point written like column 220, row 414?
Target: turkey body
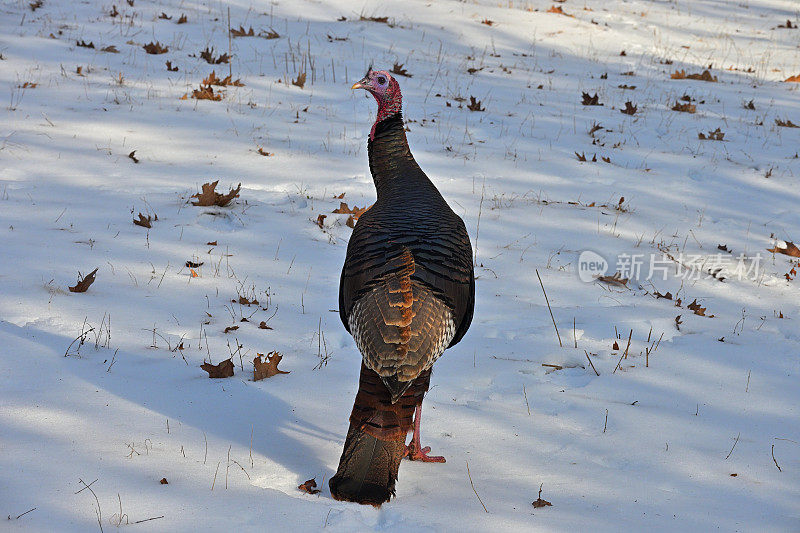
column 406, row 294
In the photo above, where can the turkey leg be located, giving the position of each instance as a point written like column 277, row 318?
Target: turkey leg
column 414, row 450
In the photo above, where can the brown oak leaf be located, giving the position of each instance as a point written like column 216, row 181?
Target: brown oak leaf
column 266, row 368
column 210, row 197
column 309, row 486
column 145, row 221
column 155, row 48
column 615, row 279
column 84, row 282
column 790, row 249
column 222, row 370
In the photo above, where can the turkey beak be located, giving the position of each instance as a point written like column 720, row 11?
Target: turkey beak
column 363, row 84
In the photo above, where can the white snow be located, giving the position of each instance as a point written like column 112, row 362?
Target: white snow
column 654, row 445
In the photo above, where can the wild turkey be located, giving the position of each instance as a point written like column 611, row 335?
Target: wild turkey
column 406, row 294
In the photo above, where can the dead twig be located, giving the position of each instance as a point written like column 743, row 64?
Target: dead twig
column 590, row 362
column 548, row 308
column 773, row 460
column 734, row 445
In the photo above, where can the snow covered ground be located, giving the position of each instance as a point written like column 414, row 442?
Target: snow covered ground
column 696, row 429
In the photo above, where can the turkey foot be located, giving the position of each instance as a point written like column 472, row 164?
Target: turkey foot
column 414, row 450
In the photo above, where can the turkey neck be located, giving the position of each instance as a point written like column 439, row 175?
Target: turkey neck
column 394, row 170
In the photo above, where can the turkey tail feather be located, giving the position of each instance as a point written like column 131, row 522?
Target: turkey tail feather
column 375, row 442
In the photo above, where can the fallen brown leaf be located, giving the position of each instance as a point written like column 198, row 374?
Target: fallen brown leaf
column 696, row 309
column 681, row 75
column 615, row 279
column 630, row 109
column 83, row 282
column 208, row 56
column 263, row 325
column 309, row 486
column 684, row 108
column 205, row 92
column 541, row 503
column 786, row 123
column 300, row 81
column 795, row 79
column 155, row 48
column 355, row 211
column 398, row 69
column 230, row 328
column 222, row 370
column 266, row 368
column 320, row 220
column 164, row 481
column 790, row 249
column 145, row 221
column 475, row 105
column 383, row 20
column 716, row 135
column 241, row 32
column 558, row 11
column 588, row 99
column 210, row 197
